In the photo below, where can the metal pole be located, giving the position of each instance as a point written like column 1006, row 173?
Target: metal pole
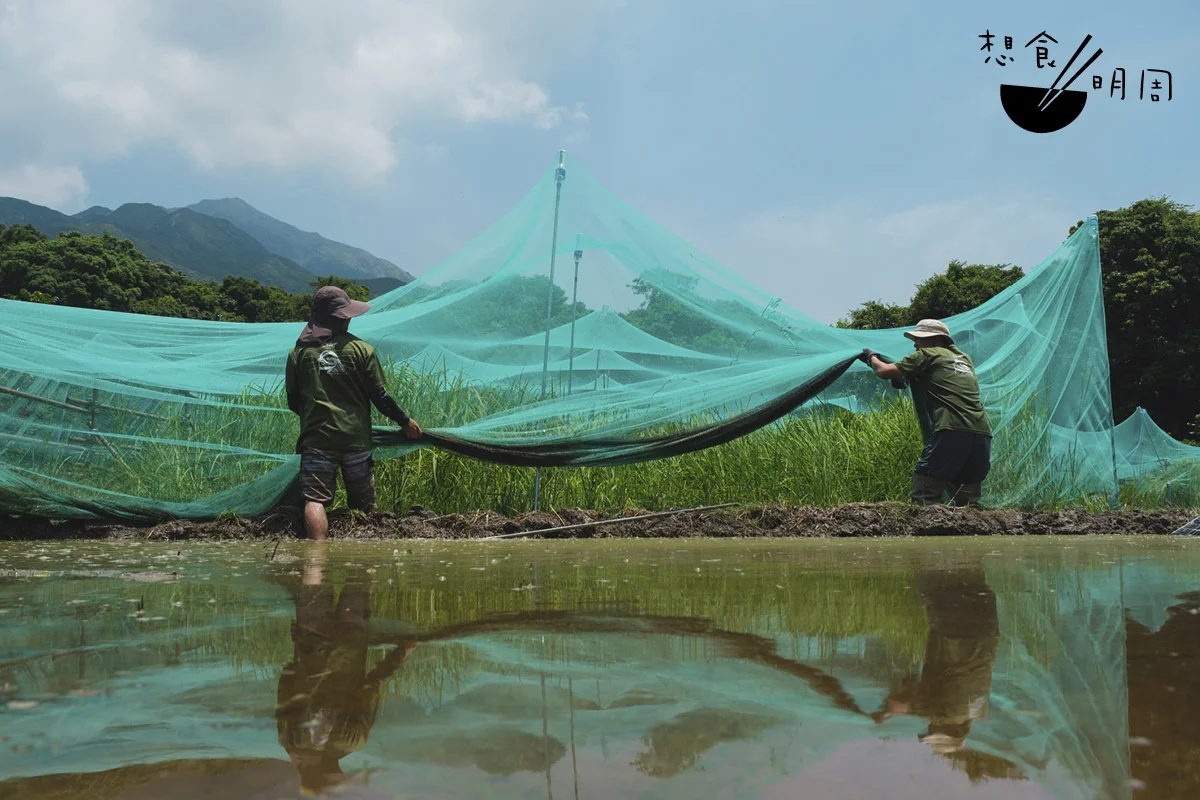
column 598, row 523
column 560, row 175
column 574, row 297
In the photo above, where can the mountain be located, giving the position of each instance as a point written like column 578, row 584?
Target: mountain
column 20, row 212
column 209, row 247
column 310, row 250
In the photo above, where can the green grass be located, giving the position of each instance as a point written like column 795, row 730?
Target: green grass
column 822, row 457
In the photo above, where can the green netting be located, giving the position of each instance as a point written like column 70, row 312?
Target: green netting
column 107, row 414
column 1156, row 465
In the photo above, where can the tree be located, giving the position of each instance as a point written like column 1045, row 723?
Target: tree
column 354, row 290
column 107, row 273
column 960, row 288
column 874, row 315
column 1150, row 262
column 671, row 311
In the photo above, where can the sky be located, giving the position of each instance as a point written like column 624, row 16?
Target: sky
column 830, row 151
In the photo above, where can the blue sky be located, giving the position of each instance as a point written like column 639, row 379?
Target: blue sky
column 831, row 152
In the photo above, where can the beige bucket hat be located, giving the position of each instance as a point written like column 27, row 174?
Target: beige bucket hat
column 929, row 327
column 942, row 743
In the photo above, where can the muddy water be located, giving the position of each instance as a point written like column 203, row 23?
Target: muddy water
column 948, row 668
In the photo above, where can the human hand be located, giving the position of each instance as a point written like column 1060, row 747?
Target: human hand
column 866, row 355
column 412, row 430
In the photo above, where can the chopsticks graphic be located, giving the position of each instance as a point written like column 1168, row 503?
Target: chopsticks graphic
column 1053, row 93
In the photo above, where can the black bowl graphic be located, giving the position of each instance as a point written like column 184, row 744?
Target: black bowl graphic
column 1021, row 105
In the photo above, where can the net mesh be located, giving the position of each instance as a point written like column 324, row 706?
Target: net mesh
column 122, row 415
column 1156, row 466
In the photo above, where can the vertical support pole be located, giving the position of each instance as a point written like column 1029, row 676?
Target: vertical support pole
column 560, row 175
column 95, row 408
column 546, row 738
column 571, row 708
column 574, row 305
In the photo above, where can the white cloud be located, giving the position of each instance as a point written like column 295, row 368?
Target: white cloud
column 283, row 83
column 60, row 187
column 824, row 263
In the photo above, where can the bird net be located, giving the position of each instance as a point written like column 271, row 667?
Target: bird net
column 1156, row 465
column 587, row 334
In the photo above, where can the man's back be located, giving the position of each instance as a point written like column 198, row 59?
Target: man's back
column 945, row 390
column 333, row 383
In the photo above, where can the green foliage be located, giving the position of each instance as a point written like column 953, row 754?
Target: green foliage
column 201, row 246
column 671, row 311
column 509, row 306
column 103, row 272
column 355, row 291
column 960, row 288
column 1150, row 259
column 874, row 315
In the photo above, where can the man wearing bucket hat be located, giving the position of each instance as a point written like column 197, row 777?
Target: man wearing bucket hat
column 954, row 425
column 332, row 380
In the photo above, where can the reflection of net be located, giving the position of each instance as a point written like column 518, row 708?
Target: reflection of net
column 1059, row 695
column 107, row 414
column 678, row 695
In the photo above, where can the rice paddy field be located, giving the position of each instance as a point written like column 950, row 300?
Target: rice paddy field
column 820, row 456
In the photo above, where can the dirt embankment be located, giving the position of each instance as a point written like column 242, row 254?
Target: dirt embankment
column 854, row 520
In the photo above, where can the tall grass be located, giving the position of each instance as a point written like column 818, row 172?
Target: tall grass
column 822, row 456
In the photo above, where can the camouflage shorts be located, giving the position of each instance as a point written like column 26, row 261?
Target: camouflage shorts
column 318, row 476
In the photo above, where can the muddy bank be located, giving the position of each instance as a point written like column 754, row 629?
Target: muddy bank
column 854, row 520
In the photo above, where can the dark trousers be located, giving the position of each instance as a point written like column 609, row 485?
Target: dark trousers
column 953, row 460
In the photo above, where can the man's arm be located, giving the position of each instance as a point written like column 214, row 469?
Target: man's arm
column 377, row 391
column 291, row 384
column 881, row 368
column 388, row 407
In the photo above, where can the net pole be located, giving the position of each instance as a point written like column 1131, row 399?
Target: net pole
column 560, row 175
column 574, row 314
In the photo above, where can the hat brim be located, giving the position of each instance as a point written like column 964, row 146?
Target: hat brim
column 354, row 309
column 914, row 335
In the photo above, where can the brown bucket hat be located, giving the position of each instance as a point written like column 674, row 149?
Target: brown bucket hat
column 330, row 303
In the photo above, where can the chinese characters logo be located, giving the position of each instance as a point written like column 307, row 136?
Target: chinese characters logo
column 1041, row 109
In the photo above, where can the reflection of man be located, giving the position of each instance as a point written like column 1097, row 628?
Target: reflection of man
column 956, row 677
column 328, row 698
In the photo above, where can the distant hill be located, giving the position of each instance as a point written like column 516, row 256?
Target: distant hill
column 310, row 250
column 210, row 246
column 200, row 246
column 378, row 286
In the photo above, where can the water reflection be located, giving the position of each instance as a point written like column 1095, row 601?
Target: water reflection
column 1164, row 700
column 676, row 745
column 990, row 670
column 953, row 687
column 328, row 697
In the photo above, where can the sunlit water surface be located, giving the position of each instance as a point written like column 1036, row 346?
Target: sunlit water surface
column 947, row 668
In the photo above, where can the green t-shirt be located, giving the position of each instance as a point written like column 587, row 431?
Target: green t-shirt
column 332, row 384
column 945, row 390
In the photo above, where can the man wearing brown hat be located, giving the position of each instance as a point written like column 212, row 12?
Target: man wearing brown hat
column 332, row 380
column 954, row 425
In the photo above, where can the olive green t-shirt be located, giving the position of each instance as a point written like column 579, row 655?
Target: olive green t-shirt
column 945, row 390
column 334, row 382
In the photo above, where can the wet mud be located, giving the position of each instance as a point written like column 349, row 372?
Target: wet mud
column 777, row 521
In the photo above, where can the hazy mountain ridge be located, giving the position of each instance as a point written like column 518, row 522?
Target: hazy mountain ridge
column 213, row 245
